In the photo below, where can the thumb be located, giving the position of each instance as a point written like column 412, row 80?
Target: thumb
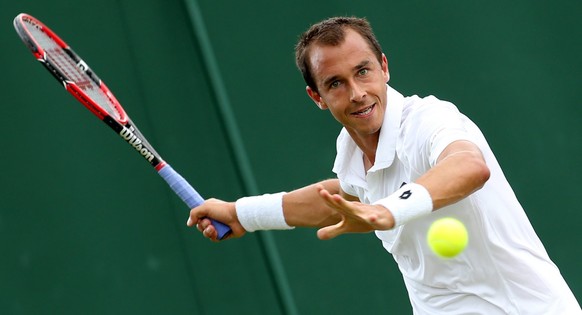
column 196, row 214
column 332, row 231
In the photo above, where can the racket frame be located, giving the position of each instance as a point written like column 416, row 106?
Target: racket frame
column 123, row 125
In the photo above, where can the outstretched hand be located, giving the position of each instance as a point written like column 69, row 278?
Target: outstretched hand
column 356, row 217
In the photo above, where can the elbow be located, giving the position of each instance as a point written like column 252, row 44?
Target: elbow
column 481, row 173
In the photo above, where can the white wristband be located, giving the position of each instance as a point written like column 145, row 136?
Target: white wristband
column 263, row 212
column 407, row 203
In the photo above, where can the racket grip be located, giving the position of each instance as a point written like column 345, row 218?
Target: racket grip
column 190, row 196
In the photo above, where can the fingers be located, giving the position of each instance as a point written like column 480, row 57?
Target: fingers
column 331, row 231
column 342, row 206
column 198, row 218
column 225, row 212
column 329, row 198
column 337, row 202
column 355, row 217
column 208, row 230
column 210, row 233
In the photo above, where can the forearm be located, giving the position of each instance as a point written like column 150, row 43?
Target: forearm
column 304, row 207
column 456, row 175
column 460, row 170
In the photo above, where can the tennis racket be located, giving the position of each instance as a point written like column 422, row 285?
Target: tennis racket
column 80, row 80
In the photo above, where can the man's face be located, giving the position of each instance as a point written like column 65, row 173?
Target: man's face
column 351, row 84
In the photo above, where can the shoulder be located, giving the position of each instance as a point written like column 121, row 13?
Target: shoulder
column 426, row 108
column 424, row 121
column 430, row 124
column 423, row 117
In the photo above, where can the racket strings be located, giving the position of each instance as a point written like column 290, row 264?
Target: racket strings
column 66, row 64
column 71, row 69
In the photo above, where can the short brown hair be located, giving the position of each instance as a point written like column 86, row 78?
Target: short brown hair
column 331, row 32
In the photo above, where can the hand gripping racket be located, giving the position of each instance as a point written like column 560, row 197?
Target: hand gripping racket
column 79, row 80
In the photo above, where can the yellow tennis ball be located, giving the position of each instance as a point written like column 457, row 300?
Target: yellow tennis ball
column 447, row 237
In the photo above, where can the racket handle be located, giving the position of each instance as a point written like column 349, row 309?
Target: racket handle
column 190, row 196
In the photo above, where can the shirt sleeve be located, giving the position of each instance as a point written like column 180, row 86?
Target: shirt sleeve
column 348, row 189
column 445, row 136
column 433, row 126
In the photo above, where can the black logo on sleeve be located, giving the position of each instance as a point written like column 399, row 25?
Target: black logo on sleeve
column 406, row 195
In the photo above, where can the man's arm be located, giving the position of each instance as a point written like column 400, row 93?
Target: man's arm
column 305, row 207
column 460, row 170
column 302, row 207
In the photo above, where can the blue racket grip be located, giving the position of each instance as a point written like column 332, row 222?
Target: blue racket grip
column 190, row 196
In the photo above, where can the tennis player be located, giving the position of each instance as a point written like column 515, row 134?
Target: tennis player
column 401, row 163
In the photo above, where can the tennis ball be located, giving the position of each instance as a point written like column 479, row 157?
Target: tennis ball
column 447, row 237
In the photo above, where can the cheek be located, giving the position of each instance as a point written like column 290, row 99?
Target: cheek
column 338, row 104
column 337, row 113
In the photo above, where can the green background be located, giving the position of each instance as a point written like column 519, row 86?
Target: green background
column 88, row 228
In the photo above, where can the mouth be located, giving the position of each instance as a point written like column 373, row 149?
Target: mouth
column 366, row 111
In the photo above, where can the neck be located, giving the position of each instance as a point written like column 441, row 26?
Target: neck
column 368, row 144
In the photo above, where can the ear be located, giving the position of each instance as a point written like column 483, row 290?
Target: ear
column 385, row 71
column 316, row 98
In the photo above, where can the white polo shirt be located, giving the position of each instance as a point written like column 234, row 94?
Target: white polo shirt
column 505, row 268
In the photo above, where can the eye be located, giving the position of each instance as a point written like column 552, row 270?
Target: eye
column 363, row 71
column 334, row 84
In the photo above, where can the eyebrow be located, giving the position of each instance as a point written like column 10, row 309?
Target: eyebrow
column 329, row 80
column 359, row 66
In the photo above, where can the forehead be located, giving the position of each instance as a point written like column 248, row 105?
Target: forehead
column 327, row 60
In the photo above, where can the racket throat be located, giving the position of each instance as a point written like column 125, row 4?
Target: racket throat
column 129, row 135
column 132, row 136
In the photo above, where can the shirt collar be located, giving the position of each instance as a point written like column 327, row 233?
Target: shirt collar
column 349, row 165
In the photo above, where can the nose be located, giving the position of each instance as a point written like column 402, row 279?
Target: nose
column 358, row 93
